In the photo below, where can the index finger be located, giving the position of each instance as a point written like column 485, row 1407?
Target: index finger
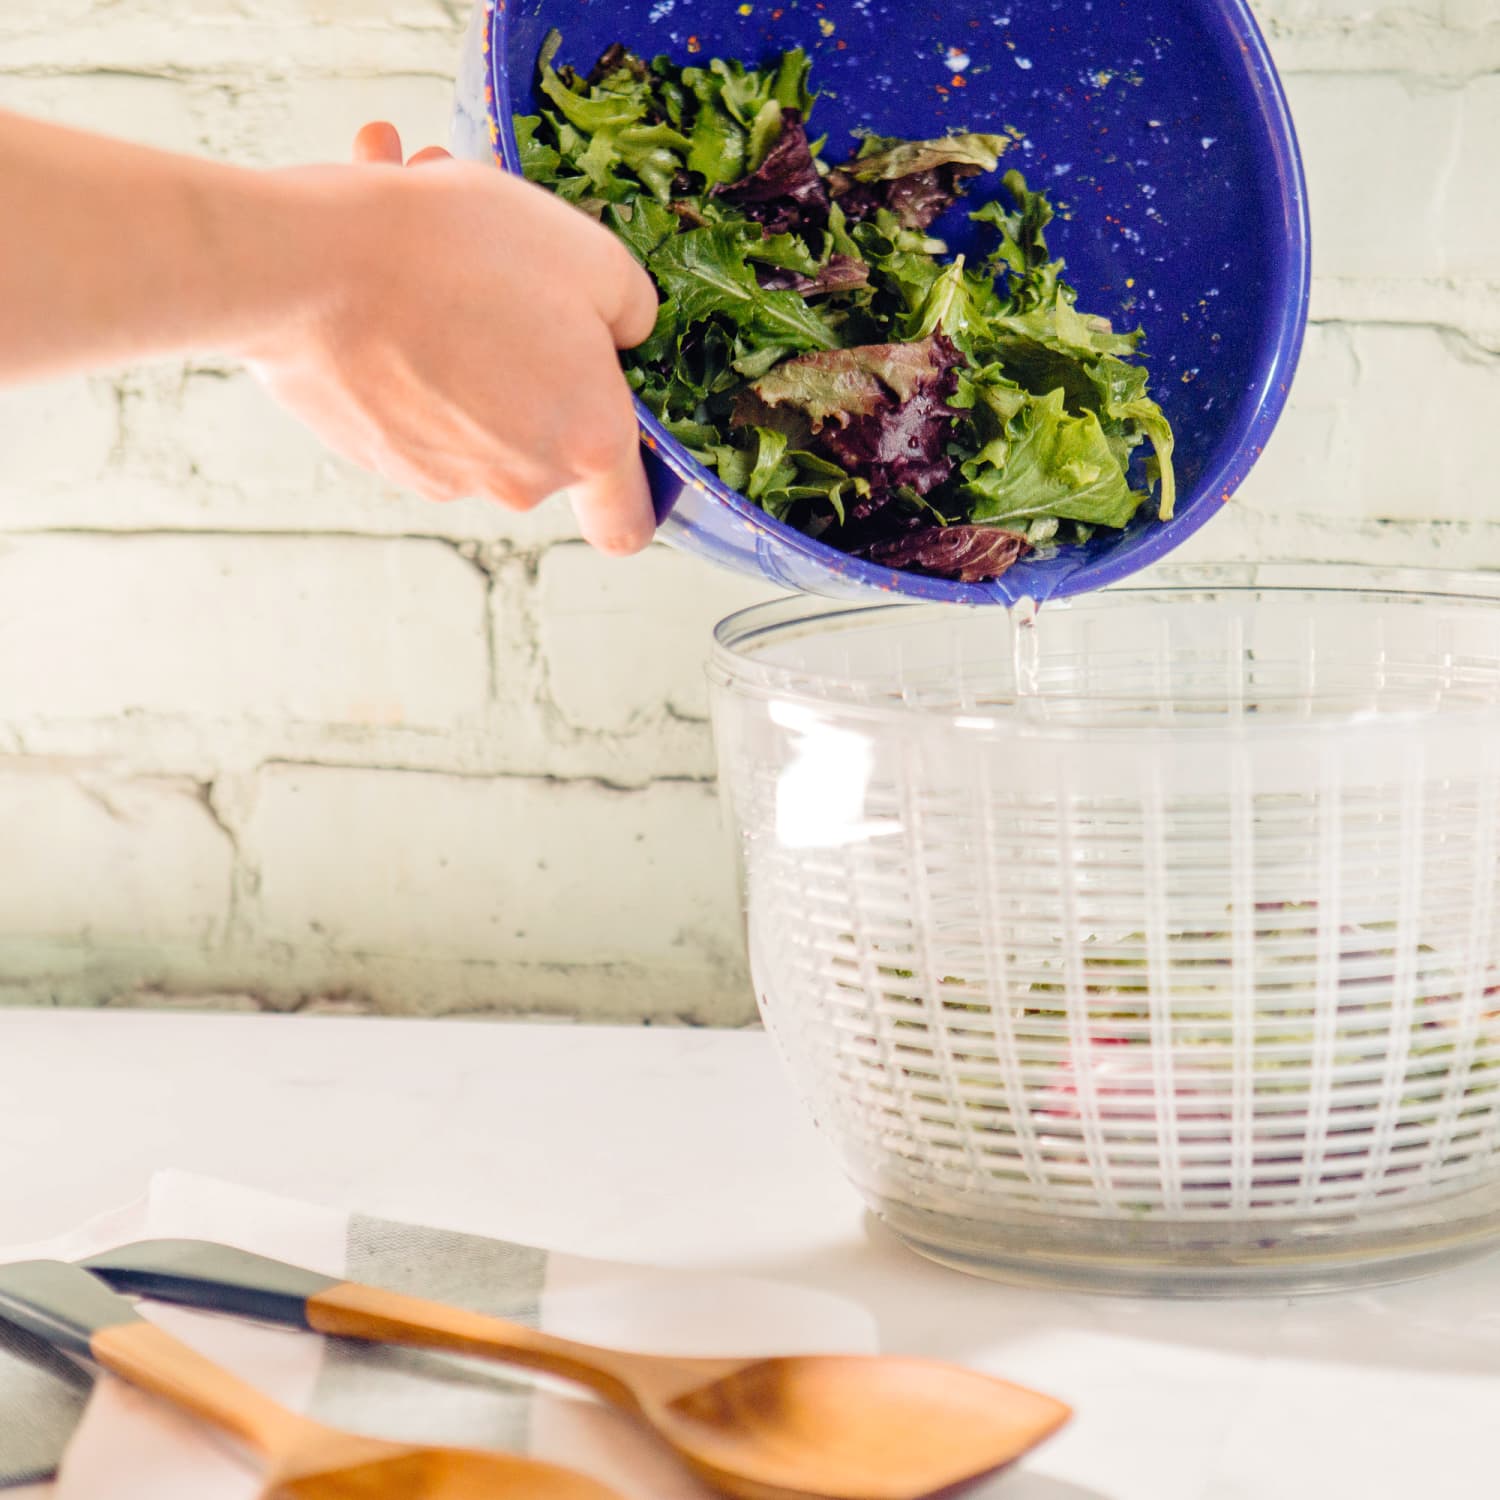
column 630, row 311
column 378, row 144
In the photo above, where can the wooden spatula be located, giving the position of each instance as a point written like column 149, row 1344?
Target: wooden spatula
column 827, row 1427
column 77, row 1314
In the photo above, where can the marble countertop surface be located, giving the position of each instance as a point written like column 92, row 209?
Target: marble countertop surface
column 688, row 1148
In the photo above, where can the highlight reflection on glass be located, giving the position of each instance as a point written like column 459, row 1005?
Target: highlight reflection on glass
column 821, row 790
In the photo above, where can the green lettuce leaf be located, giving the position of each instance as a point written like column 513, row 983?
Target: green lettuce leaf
column 785, row 250
column 613, row 115
column 1052, row 464
column 591, row 110
column 883, row 161
column 705, row 271
column 1023, row 244
column 717, row 139
column 643, row 225
column 745, row 92
column 539, row 161
column 786, row 481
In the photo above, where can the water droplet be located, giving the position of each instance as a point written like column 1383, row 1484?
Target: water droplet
column 1025, row 647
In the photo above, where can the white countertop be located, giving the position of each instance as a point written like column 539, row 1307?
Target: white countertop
column 687, row 1148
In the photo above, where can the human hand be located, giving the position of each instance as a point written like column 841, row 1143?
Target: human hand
column 462, row 340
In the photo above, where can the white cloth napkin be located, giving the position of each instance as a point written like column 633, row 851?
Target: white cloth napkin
column 115, row 1444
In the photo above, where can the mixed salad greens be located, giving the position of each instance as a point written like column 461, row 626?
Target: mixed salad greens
column 1112, row 1071
column 813, row 348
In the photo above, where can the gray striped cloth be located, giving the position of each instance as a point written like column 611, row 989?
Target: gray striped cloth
column 42, row 1394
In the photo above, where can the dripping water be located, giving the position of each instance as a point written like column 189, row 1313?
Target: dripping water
column 1026, row 649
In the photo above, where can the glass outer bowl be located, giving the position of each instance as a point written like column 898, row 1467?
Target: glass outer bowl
column 1161, row 129
column 1149, row 948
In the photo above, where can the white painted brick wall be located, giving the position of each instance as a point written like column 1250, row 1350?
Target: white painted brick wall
column 656, row 612
column 1381, row 426
column 107, row 878
column 476, row 890
column 347, row 634
column 274, row 734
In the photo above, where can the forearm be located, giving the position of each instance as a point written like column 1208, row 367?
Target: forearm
column 110, row 253
column 452, row 327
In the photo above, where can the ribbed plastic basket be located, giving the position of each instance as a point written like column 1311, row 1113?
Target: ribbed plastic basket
column 1150, row 947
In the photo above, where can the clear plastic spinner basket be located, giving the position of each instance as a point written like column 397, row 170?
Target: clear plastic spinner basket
column 1150, row 947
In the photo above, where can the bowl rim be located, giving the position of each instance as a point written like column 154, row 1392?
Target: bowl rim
column 1257, row 411
column 734, row 672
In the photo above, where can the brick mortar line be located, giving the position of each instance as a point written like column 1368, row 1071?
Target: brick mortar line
column 198, row 787
column 1443, row 329
column 1322, row 520
column 482, row 556
column 599, row 783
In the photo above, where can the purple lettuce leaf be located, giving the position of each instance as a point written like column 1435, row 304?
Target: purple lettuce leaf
column 916, row 200
column 903, row 445
column 785, row 191
column 916, row 180
column 841, row 274
column 880, row 411
column 965, row 554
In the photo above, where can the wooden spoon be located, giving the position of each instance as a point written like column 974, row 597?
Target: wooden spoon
column 826, row 1427
column 78, row 1314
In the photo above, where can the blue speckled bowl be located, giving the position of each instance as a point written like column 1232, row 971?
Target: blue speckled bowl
column 1160, row 130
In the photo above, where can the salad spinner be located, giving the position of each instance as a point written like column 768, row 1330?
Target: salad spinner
column 1152, row 947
